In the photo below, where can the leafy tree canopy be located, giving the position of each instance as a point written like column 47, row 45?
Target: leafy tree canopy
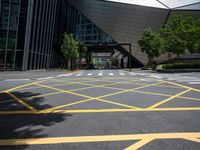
column 150, row 43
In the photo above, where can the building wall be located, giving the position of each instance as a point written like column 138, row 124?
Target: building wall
column 123, row 22
column 12, row 33
column 27, row 29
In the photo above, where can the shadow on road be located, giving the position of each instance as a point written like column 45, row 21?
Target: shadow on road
column 26, row 125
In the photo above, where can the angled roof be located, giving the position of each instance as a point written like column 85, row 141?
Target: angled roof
column 164, row 4
column 178, row 3
column 148, row 3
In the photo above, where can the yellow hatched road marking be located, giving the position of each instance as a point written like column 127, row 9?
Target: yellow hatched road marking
column 139, row 144
column 183, row 86
column 82, row 95
column 22, row 102
column 167, row 95
column 100, row 97
column 100, row 111
column 169, row 99
column 101, row 138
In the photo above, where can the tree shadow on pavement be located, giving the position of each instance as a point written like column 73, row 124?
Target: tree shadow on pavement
column 22, row 126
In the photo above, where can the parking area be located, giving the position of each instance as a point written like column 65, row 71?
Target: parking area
column 120, row 112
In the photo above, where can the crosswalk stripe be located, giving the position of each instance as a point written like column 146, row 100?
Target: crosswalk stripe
column 194, row 82
column 79, row 74
column 64, row 75
column 45, row 78
column 89, row 74
column 101, row 73
column 17, row 80
column 121, row 73
column 111, row 74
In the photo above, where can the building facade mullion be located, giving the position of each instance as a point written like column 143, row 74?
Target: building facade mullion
column 41, row 36
column 27, row 35
column 38, row 18
column 50, row 32
column 17, row 33
column 53, row 27
column 44, row 36
column 7, row 36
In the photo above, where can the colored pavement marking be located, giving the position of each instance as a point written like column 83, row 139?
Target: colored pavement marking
column 144, row 139
column 89, row 74
column 100, row 97
column 101, row 73
column 139, row 144
column 81, row 95
column 100, row 111
column 170, row 98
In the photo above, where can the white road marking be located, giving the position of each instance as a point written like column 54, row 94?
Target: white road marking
column 121, row 73
column 64, row 75
column 194, row 82
column 79, row 74
column 131, row 73
column 154, row 76
column 45, row 78
column 12, row 80
column 111, row 74
column 101, row 73
column 89, row 74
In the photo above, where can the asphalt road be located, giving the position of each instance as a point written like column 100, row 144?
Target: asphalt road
column 99, row 110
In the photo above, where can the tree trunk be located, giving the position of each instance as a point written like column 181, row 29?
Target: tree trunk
column 169, row 57
column 149, row 63
column 69, row 64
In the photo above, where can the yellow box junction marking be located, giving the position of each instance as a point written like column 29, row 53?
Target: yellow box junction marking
column 100, row 97
column 170, row 98
column 90, row 98
column 143, row 139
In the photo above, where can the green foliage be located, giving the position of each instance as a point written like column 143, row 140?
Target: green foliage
column 181, row 66
column 70, row 50
column 151, row 44
column 70, row 47
column 172, row 35
column 181, row 34
column 82, row 49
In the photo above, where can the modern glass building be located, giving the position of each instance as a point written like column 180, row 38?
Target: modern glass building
column 31, row 30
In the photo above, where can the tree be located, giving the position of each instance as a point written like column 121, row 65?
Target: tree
column 82, row 51
column 172, row 33
column 196, row 38
column 70, row 49
column 89, row 60
column 151, row 44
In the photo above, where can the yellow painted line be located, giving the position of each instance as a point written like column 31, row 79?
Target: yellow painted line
column 100, row 138
column 64, row 91
column 139, row 144
column 169, row 99
column 186, row 87
column 21, row 86
column 193, row 139
column 100, row 97
column 119, row 104
column 66, row 105
column 85, row 96
column 22, row 102
column 125, row 110
column 100, row 111
column 129, row 90
column 167, row 95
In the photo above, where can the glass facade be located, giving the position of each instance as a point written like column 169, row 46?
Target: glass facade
column 88, row 32
column 26, row 34
column 9, row 25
